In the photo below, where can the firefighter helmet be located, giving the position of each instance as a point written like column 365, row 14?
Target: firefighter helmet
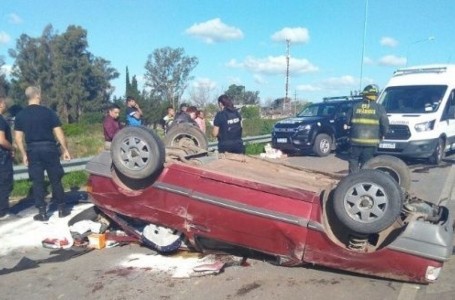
column 371, row 92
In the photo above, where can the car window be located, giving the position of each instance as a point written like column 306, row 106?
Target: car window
column 319, row 110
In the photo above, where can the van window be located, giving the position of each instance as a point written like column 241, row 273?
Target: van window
column 416, row 99
column 449, row 110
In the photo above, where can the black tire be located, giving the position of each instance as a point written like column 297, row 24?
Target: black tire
column 137, row 152
column 322, row 145
column 392, row 166
column 90, row 214
column 185, row 134
column 438, row 154
column 368, row 201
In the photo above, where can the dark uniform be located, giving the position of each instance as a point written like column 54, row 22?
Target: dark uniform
column 37, row 123
column 6, row 169
column 369, row 124
column 229, row 122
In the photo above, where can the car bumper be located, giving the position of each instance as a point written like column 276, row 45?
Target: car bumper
column 291, row 143
column 415, row 149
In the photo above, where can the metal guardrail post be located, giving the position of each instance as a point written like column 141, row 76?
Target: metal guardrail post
column 78, row 164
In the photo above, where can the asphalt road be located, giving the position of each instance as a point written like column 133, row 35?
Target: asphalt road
column 101, row 274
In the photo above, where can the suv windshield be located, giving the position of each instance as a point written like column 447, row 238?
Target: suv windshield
column 412, row 99
column 318, row 110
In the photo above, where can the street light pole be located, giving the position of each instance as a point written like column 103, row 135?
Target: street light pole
column 287, row 73
column 428, row 39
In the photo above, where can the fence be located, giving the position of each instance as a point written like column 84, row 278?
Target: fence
column 78, row 164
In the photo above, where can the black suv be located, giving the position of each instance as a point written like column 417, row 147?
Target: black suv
column 319, row 127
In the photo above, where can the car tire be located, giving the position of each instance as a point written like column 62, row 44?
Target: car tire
column 392, row 166
column 322, row 145
column 438, row 154
column 137, row 152
column 367, row 201
column 184, row 135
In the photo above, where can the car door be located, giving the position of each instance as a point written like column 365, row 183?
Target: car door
column 341, row 121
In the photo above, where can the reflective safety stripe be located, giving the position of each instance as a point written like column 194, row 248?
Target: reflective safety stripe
column 365, row 141
column 365, row 121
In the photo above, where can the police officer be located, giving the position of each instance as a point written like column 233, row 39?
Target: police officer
column 40, row 126
column 6, row 162
column 369, row 123
column 227, row 127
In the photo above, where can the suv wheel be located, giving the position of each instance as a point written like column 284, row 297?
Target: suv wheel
column 322, row 145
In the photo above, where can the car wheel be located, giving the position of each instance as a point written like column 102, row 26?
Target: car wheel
column 367, row 201
column 392, row 166
column 137, row 152
column 438, row 154
column 322, row 145
column 185, row 135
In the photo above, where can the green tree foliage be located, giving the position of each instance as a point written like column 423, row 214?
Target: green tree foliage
column 251, row 112
column 240, row 95
column 72, row 80
column 168, row 73
column 4, row 84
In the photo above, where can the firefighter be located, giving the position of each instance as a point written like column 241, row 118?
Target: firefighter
column 368, row 123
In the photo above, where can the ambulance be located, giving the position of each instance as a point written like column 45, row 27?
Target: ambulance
column 420, row 104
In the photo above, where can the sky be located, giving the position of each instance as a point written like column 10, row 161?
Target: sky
column 335, row 46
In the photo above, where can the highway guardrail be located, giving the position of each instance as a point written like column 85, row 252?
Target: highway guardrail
column 78, row 164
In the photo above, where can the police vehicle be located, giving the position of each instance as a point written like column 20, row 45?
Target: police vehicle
column 318, row 128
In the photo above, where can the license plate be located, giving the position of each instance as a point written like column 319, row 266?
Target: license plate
column 282, row 140
column 387, row 145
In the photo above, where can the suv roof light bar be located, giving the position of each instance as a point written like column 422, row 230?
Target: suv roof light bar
column 400, row 72
column 342, row 98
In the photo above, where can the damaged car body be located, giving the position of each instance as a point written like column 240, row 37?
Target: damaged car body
column 363, row 223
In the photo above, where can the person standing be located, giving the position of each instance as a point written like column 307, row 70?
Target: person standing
column 200, row 120
column 6, row 162
column 39, row 127
column 227, row 127
column 168, row 118
column 369, row 123
column 111, row 125
column 133, row 112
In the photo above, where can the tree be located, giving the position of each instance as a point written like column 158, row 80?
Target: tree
column 4, row 85
column 168, row 73
column 239, row 95
column 201, row 95
column 72, row 80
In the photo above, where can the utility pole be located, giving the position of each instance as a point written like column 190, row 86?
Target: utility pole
column 287, row 73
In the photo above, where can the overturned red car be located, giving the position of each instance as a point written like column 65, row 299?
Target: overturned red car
column 183, row 195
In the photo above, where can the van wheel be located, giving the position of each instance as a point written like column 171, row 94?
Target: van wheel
column 438, row 154
column 392, row 166
column 322, row 145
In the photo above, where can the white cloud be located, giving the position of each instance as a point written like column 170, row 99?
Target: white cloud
column 4, row 38
column 368, row 61
column 346, row 80
column 6, row 70
column 296, row 35
column 204, row 83
column 14, row 19
column 392, row 60
column 308, row 88
column 214, row 31
column 388, row 42
column 259, row 79
column 335, row 84
column 273, row 65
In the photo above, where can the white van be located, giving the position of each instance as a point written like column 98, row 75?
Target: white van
column 420, row 103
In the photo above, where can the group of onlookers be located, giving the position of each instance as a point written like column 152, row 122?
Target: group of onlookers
column 227, row 125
